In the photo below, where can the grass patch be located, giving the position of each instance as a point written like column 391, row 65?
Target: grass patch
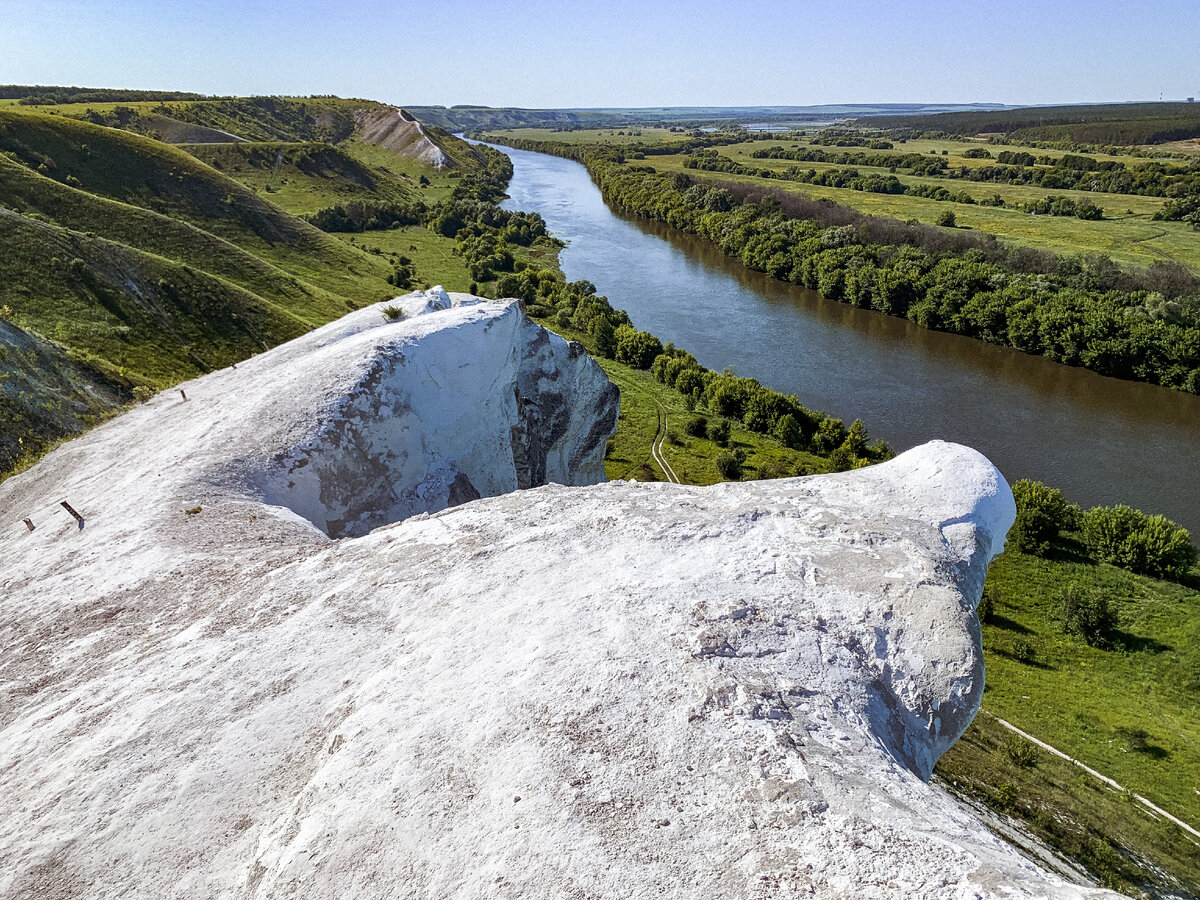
column 1129, row 713
column 435, row 257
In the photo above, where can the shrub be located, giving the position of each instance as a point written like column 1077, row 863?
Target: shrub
column 697, row 426
column 947, row 219
column 1006, row 795
column 1023, row 651
column 1042, row 512
column 729, row 466
column 1149, row 545
column 1021, row 753
column 788, row 432
column 718, row 432
column 1087, row 614
column 392, row 313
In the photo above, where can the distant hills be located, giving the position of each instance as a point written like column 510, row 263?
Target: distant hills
column 468, row 118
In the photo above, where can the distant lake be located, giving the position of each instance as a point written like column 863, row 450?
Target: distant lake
column 1101, row 440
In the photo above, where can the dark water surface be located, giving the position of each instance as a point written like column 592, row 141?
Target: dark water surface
column 1100, row 440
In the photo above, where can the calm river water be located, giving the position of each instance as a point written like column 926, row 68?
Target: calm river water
column 1100, row 440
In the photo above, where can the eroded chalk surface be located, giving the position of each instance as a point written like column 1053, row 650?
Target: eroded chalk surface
column 226, row 684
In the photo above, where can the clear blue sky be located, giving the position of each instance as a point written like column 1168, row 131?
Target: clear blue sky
column 671, row 53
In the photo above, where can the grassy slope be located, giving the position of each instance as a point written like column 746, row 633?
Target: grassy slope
column 44, row 394
column 355, row 171
column 1130, row 714
column 148, row 318
column 34, row 195
column 142, row 172
column 302, row 178
column 149, row 266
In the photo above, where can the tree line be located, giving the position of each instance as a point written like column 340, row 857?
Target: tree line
column 1078, row 311
column 1068, row 172
column 876, row 183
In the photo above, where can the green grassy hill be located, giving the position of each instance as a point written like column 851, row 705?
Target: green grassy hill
column 130, row 264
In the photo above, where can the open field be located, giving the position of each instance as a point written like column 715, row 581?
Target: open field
column 1113, row 204
column 1134, row 241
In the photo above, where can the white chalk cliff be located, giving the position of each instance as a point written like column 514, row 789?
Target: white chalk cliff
column 607, row 690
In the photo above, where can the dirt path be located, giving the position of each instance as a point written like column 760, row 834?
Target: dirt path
column 1145, row 242
column 1138, row 797
column 656, row 448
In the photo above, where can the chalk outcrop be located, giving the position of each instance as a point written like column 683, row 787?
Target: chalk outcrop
column 395, row 129
column 610, row 690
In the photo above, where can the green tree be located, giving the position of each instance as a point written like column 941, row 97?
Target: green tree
column 1087, row 614
column 788, row 432
column 604, row 336
column 1042, row 513
column 636, row 348
column 947, row 219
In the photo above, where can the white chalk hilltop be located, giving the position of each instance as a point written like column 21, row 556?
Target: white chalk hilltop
column 277, row 660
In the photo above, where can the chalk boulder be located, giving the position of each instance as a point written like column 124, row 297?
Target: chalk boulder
column 610, row 690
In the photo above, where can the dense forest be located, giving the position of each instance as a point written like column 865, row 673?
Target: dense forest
column 1109, row 123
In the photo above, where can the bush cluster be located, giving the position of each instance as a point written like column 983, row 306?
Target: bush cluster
column 1076, row 311
column 1120, row 535
column 1149, row 545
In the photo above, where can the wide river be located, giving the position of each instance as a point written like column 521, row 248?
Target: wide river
column 1101, row 440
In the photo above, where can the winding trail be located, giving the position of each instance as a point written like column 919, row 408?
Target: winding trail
column 656, row 448
column 1145, row 242
column 1157, row 810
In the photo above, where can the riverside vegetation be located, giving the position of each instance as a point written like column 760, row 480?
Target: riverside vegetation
column 1093, row 658
column 1085, row 311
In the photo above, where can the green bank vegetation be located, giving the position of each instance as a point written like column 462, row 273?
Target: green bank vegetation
column 1141, row 325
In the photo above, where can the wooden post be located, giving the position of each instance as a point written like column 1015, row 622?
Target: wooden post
column 29, row 524
column 67, row 506
column 182, row 394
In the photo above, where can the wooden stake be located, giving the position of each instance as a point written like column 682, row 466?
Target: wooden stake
column 29, row 524
column 182, row 394
column 67, row 506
